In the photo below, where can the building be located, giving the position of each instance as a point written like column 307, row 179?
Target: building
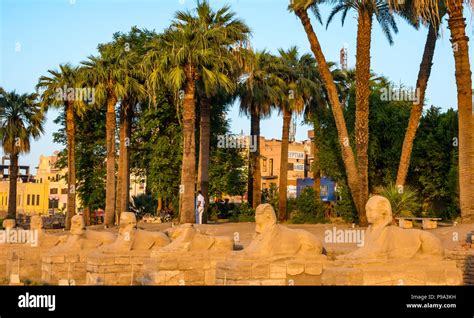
column 46, row 193
column 299, row 163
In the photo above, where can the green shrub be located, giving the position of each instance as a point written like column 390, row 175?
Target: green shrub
column 345, row 207
column 306, row 208
column 404, row 201
column 246, row 213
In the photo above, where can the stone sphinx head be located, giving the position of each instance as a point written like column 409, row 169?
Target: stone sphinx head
column 78, row 225
column 128, row 222
column 265, row 218
column 9, row 224
column 379, row 211
column 36, row 223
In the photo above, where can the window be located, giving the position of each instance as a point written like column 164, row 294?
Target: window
column 28, row 199
column 271, row 167
column 32, row 199
column 264, row 165
column 64, row 205
column 64, row 191
column 37, row 199
column 53, row 191
column 324, row 190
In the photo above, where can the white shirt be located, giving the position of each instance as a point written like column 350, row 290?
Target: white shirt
column 200, row 199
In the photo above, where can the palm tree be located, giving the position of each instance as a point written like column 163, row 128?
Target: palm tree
column 366, row 10
column 300, row 86
column 457, row 26
column 260, row 90
column 108, row 75
column 129, row 48
column 429, row 10
column 300, row 8
column 59, row 90
column 186, row 53
column 421, row 85
column 317, row 107
column 235, row 35
column 21, row 119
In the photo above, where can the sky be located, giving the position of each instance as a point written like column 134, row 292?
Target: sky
column 38, row 35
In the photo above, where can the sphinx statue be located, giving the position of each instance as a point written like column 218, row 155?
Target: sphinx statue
column 272, row 239
column 80, row 238
column 130, row 238
column 45, row 239
column 386, row 241
column 186, row 238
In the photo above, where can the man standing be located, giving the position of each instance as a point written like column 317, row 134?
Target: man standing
column 200, row 202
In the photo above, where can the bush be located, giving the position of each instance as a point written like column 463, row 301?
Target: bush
column 246, row 213
column 404, row 201
column 143, row 204
column 345, row 207
column 306, row 208
column 270, row 195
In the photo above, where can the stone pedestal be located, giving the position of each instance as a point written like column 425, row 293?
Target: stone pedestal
column 25, row 260
column 405, row 224
column 121, row 268
column 281, row 271
column 392, row 272
column 67, row 267
column 182, row 268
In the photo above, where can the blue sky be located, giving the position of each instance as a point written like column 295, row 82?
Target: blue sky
column 37, row 35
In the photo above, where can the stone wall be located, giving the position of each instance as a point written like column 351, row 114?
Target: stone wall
column 70, row 267
column 125, row 268
column 464, row 259
column 183, row 268
column 392, row 272
column 271, row 272
column 25, row 260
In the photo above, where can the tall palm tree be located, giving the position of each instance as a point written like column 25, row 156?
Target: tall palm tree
column 260, row 90
column 21, row 119
column 185, row 54
column 129, row 49
column 317, row 107
column 421, row 85
column 366, row 10
column 429, row 10
column 301, row 87
column 457, row 26
column 108, row 75
column 235, row 36
column 300, row 8
column 54, row 93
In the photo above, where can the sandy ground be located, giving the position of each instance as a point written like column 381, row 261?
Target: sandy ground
column 245, row 232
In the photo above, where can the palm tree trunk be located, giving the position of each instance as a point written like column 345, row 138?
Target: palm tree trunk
column 125, row 202
column 87, row 216
column 417, row 108
column 364, row 34
column 457, row 26
column 71, row 165
column 110, row 182
column 316, row 168
column 12, row 191
column 255, row 175
column 204, row 153
column 347, row 153
column 123, row 180
column 188, row 170
column 283, row 178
